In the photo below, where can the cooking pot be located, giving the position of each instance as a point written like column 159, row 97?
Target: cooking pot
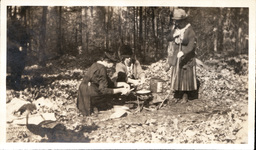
column 144, row 94
column 156, row 85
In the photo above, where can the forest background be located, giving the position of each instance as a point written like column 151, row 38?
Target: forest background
column 84, row 32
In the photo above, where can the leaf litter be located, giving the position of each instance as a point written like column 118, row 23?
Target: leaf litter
column 219, row 115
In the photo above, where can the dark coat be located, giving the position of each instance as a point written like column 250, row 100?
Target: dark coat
column 183, row 76
column 187, row 47
column 95, row 84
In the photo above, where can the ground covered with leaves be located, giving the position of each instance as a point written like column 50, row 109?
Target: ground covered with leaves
column 218, row 115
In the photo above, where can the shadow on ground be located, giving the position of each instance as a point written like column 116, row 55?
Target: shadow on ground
column 61, row 134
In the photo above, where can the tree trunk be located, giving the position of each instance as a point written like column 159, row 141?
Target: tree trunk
column 153, row 22
column 9, row 11
column 145, row 35
column 29, row 29
column 162, row 33
column 15, row 12
column 140, row 31
column 26, row 37
column 107, row 27
column 134, row 29
column 157, row 34
column 89, row 28
column 120, row 25
column 59, row 23
column 154, row 25
column 42, row 37
column 78, row 30
column 83, row 29
column 239, row 31
column 220, row 31
column 215, row 40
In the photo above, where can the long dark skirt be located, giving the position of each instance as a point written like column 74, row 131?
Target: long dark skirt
column 88, row 99
column 184, row 80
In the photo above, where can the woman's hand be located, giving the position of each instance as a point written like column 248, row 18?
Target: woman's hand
column 142, row 80
column 180, row 54
column 122, row 84
column 134, row 82
column 176, row 33
column 125, row 91
column 167, row 67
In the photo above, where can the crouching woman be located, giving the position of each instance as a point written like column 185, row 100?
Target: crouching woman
column 97, row 88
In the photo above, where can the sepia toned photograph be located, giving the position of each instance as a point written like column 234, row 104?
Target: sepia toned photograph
column 129, row 74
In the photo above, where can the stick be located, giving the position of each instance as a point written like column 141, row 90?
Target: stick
column 176, row 76
column 177, row 70
column 163, row 101
column 148, row 109
column 177, row 65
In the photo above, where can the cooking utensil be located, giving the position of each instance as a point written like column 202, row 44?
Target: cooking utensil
column 156, row 85
column 143, row 91
column 143, row 95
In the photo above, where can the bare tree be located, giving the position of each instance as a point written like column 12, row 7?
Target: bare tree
column 42, row 38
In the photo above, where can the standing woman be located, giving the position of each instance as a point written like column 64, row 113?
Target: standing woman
column 97, row 87
column 183, row 76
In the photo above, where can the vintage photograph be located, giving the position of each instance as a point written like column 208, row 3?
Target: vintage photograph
column 127, row 74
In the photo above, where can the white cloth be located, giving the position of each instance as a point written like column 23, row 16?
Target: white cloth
column 12, row 107
column 129, row 70
column 35, row 119
column 179, row 33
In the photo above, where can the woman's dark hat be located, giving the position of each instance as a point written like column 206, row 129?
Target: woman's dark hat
column 125, row 51
column 179, row 14
column 110, row 56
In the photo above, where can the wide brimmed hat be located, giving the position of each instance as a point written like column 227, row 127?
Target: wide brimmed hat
column 179, row 14
column 125, row 51
column 110, row 56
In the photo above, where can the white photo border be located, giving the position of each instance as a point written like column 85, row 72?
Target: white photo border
column 251, row 4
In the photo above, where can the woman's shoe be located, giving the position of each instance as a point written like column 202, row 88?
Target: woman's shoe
column 184, row 98
column 95, row 112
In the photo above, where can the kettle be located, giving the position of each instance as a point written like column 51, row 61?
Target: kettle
column 156, row 85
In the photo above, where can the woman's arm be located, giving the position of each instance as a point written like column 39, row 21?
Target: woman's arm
column 189, row 38
column 104, row 84
column 170, row 36
column 140, row 74
column 124, row 91
column 120, row 73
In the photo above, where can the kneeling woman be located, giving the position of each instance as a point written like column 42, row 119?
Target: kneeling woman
column 97, row 87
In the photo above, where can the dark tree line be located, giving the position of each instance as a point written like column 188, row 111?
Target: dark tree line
column 51, row 32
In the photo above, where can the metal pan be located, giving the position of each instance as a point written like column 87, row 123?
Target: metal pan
column 143, row 92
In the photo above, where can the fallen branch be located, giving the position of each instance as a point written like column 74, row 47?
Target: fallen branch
column 166, row 98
